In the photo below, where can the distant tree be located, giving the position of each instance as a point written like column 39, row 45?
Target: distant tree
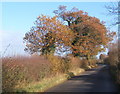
column 102, row 56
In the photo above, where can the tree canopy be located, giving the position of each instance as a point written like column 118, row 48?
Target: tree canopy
column 72, row 30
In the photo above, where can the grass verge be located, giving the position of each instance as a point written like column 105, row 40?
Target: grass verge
column 47, row 83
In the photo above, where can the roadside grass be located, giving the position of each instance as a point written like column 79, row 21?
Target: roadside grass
column 47, row 83
column 43, row 85
column 38, row 73
column 25, row 70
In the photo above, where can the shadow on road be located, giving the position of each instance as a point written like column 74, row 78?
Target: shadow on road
column 93, row 80
column 98, row 80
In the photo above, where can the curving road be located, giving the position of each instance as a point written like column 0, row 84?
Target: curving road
column 93, row 80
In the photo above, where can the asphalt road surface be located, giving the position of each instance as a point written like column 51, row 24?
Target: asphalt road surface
column 93, row 80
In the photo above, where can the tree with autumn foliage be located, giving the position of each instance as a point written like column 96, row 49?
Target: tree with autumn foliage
column 90, row 34
column 47, row 34
column 72, row 30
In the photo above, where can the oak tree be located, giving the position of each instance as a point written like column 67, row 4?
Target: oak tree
column 47, row 34
column 72, row 30
column 90, row 34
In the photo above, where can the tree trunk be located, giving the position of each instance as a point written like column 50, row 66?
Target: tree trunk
column 88, row 57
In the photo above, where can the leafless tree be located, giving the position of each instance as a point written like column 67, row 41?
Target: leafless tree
column 114, row 9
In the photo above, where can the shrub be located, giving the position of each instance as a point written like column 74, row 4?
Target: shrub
column 69, row 75
column 75, row 62
column 84, row 64
column 114, row 60
column 93, row 62
column 17, row 70
column 59, row 65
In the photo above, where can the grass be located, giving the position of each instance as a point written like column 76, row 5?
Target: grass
column 44, row 84
column 38, row 73
column 17, row 70
column 49, row 82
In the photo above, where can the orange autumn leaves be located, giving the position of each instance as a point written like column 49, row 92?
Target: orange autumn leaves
column 48, row 33
column 89, row 33
column 83, row 34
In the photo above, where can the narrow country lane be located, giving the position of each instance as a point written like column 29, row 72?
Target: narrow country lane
column 94, row 80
